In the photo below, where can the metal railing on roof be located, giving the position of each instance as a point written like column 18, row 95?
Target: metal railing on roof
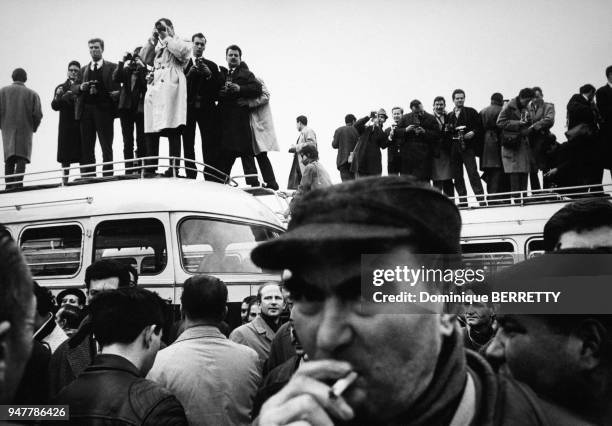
column 144, row 167
column 537, row 196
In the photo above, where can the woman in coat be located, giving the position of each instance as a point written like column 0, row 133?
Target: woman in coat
column 514, row 123
column 165, row 104
column 264, row 136
column 68, row 132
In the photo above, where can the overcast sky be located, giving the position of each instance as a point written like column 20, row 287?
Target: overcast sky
column 324, row 59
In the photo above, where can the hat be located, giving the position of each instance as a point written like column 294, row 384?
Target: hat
column 74, row 291
column 382, row 112
column 361, row 214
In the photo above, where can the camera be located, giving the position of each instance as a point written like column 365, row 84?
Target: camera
column 199, row 61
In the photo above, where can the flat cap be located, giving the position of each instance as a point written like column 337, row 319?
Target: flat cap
column 363, row 214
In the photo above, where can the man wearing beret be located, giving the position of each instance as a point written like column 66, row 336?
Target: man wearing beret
column 412, row 368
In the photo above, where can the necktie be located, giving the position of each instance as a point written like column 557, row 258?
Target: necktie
column 95, row 66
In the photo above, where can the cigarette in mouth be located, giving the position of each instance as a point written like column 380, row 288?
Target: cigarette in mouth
column 342, row 384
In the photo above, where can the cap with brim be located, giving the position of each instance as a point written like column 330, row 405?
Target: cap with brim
column 362, row 215
column 73, row 291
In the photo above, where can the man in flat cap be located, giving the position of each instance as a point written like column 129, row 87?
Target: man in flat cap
column 411, row 368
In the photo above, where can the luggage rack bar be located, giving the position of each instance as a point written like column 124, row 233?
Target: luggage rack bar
column 538, row 196
column 130, row 168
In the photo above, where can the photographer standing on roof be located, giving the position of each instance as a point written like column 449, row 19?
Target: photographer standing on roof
column 165, row 106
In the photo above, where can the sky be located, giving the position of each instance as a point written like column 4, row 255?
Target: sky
column 324, row 59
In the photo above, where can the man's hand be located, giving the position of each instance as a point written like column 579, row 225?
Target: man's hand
column 469, row 135
column 84, row 87
column 232, row 87
column 150, row 77
column 59, row 92
column 204, row 70
column 306, row 399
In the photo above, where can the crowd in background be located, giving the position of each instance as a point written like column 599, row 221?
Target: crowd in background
column 167, row 88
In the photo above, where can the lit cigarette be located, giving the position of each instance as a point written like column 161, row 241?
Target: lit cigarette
column 342, row 384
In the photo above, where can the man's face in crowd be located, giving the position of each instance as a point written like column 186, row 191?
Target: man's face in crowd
column 95, row 50
column 73, row 72
column 459, row 100
column 537, row 354
column 397, row 114
column 477, row 314
column 71, row 299
column 439, row 107
column 609, row 77
column 524, row 101
column 16, row 349
column 199, row 44
column 598, row 237
column 255, row 310
column 233, row 58
column 589, row 96
column 244, row 311
column 538, row 96
column 394, row 354
column 97, row 286
column 417, row 109
column 272, row 302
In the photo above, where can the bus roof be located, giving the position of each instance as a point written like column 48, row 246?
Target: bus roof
column 125, row 195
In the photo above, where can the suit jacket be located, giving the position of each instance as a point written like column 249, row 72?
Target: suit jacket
column 542, row 116
column 131, row 99
column 417, row 154
column 202, row 92
column 469, row 118
column 603, row 97
column 345, row 139
column 111, row 86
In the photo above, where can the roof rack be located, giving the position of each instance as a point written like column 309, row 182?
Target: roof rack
column 538, row 196
column 137, row 168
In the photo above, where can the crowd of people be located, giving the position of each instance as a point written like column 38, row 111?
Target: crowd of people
column 162, row 89
column 512, row 138
column 167, row 87
column 116, row 353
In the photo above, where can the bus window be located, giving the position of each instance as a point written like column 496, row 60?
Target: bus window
column 490, row 256
column 131, row 241
column 216, row 246
column 535, row 247
column 53, row 251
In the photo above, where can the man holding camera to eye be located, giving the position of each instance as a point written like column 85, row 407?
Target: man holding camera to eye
column 96, row 108
column 131, row 73
column 203, row 85
column 366, row 158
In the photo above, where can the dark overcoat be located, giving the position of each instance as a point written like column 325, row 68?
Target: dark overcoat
column 417, row 152
column 68, row 129
column 235, row 119
column 366, row 158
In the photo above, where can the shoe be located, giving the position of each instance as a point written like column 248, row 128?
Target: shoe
column 171, row 173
